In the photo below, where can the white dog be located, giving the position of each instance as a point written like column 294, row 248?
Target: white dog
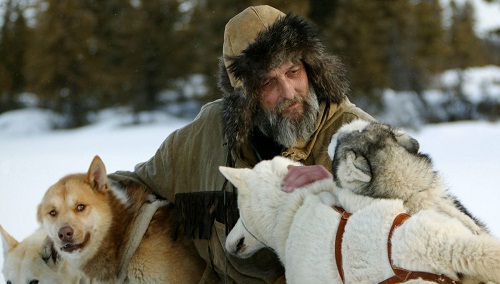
column 34, row 260
column 301, row 227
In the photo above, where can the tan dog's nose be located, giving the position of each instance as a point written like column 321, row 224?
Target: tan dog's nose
column 65, row 234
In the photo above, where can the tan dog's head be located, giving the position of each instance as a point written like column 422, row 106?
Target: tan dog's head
column 34, row 260
column 75, row 212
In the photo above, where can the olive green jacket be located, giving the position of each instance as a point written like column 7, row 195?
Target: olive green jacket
column 185, row 170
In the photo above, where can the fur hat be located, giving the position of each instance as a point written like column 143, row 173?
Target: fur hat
column 259, row 39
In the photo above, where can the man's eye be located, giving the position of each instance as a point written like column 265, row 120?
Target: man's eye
column 268, row 84
column 294, row 72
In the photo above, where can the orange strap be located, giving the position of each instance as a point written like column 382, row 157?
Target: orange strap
column 403, row 275
column 400, row 274
column 338, row 239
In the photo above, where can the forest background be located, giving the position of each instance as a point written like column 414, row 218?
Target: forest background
column 77, row 57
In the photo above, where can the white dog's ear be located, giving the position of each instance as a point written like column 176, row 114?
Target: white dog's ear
column 238, row 177
column 8, row 242
column 96, row 175
column 49, row 254
column 359, row 168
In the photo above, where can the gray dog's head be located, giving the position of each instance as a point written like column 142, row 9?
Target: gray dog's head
column 377, row 160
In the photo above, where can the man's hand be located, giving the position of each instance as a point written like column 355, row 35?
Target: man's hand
column 299, row 176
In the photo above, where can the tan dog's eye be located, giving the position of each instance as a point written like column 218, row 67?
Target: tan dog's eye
column 80, row 207
column 53, row 213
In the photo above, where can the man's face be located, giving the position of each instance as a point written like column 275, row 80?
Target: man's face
column 288, row 106
column 284, row 90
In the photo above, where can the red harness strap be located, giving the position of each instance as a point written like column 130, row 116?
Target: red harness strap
column 338, row 239
column 400, row 275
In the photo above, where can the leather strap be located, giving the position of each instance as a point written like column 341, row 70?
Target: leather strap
column 338, row 239
column 403, row 275
column 139, row 227
column 400, row 274
column 422, row 276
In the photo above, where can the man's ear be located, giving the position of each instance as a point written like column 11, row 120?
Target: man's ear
column 238, row 177
column 358, row 168
column 96, row 176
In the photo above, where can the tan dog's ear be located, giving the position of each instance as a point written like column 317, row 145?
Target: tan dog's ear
column 39, row 217
column 96, row 175
column 8, row 242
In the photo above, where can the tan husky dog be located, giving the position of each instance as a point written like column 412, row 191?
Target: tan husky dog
column 34, row 260
column 92, row 226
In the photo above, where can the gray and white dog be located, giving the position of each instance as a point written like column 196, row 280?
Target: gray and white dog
column 376, row 160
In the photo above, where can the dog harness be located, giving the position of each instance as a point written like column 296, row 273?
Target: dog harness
column 400, row 274
column 139, row 227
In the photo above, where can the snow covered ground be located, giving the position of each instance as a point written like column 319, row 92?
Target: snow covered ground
column 467, row 154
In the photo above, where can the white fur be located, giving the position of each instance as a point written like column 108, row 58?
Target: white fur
column 32, row 260
column 301, row 228
column 356, row 125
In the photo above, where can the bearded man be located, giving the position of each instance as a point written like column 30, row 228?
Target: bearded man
column 283, row 94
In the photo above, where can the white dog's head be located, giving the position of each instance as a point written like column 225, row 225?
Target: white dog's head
column 259, row 199
column 34, row 260
column 261, row 205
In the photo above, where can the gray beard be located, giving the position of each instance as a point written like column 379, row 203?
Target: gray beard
column 285, row 131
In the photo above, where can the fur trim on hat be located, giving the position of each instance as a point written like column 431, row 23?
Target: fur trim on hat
column 289, row 38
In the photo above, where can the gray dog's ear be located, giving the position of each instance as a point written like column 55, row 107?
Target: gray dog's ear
column 408, row 142
column 358, row 168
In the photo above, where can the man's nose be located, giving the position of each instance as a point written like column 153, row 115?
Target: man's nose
column 286, row 89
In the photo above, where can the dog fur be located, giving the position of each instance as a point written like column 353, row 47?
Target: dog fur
column 376, row 160
column 90, row 223
column 301, row 227
column 34, row 260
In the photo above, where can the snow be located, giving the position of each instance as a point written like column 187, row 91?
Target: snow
column 32, row 158
column 479, row 83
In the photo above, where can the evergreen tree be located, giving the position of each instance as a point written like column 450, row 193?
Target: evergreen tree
column 321, row 11
column 465, row 51
column 112, row 48
column 427, row 50
column 60, row 55
column 387, row 44
column 360, row 33
column 464, row 45
column 13, row 39
column 156, row 46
